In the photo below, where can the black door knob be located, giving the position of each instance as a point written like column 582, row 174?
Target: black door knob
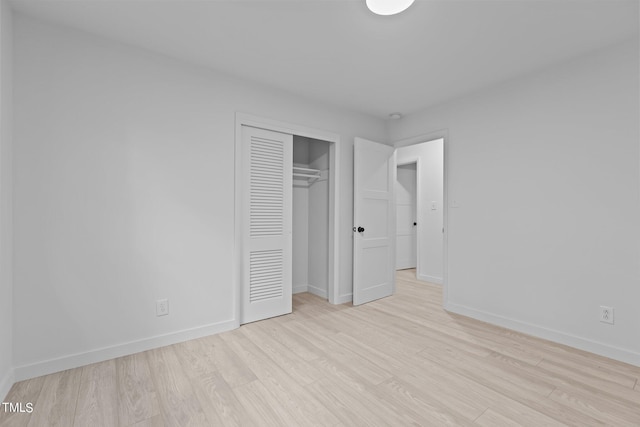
column 360, row 229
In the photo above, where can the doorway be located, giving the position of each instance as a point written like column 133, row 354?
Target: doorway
column 421, row 172
column 406, row 216
column 374, row 225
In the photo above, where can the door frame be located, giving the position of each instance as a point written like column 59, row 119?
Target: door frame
column 426, row 137
column 410, row 161
column 245, row 119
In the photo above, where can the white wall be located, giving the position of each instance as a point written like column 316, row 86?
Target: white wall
column 545, row 169
column 430, row 221
column 124, row 194
column 6, row 231
column 300, row 238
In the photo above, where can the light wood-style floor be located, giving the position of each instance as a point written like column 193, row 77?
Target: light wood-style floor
column 397, row 361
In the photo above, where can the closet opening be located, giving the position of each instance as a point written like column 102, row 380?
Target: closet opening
column 310, row 216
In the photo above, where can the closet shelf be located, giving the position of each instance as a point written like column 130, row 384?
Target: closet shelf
column 306, row 173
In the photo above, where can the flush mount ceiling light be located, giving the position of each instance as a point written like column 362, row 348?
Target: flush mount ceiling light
column 388, row 7
column 395, row 116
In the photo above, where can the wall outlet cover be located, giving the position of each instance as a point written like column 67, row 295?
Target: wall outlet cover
column 162, row 307
column 606, row 314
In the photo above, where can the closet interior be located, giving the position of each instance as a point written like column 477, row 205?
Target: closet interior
column 310, row 228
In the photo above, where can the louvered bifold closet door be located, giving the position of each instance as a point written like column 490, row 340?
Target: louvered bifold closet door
column 267, row 222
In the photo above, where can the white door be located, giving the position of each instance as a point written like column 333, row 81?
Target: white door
column 267, row 161
column 374, row 176
column 406, row 224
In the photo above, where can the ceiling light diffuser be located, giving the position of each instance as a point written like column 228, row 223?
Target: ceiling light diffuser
column 388, row 7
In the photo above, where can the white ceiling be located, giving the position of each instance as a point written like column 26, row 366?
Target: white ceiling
column 336, row 51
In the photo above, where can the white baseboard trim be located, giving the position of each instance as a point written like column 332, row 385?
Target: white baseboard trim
column 430, row 279
column 317, row 291
column 99, row 355
column 606, row 350
column 343, row 299
column 298, row 289
column 6, row 383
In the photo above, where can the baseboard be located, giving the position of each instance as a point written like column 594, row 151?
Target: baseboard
column 430, row 279
column 606, row 350
column 298, row 289
column 343, row 299
column 6, row 383
column 99, row 355
column 317, row 291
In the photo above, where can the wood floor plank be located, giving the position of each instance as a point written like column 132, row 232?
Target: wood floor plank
column 178, row 403
column 137, row 397
column 298, row 368
column 197, row 358
column 428, row 410
column 263, row 405
column 491, row 418
column 375, row 374
column 56, row 404
column 97, row 371
column 363, row 324
column 22, row 392
column 589, row 373
column 494, row 341
column 362, row 407
column 467, row 404
column 156, row 421
column 97, row 402
column 220, row 403
column 341, row 373
column 575, row 377
column 507, row 389
column 291, row 395
column 294, row 342
column 234, row 372
column 607, row 411
column 387, row 358
column 526, row 416
column 502, row 375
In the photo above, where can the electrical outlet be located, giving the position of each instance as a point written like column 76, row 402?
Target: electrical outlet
column 606, row 314
column 162, row 307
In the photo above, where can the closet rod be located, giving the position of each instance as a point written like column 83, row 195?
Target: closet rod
column 306, row 169
column 306, row 175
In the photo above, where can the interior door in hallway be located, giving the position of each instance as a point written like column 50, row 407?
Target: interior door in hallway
column 374, row 177
column 406, row 214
